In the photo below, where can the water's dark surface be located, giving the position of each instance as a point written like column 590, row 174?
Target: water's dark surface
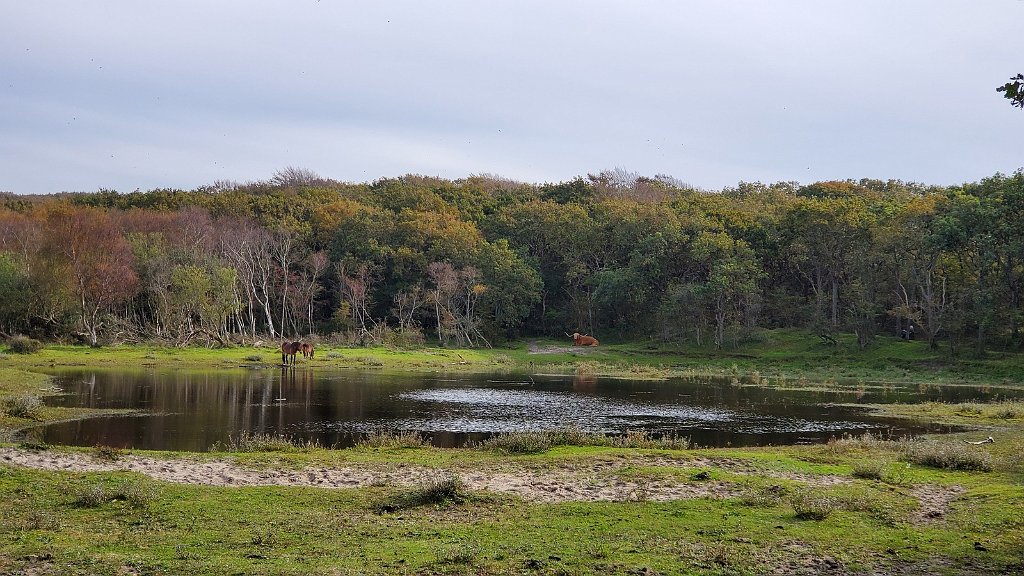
column 191, row 410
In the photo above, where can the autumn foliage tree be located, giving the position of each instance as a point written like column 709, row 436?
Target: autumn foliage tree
column 97, row 262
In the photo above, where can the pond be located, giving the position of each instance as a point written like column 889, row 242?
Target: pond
column 192, row 410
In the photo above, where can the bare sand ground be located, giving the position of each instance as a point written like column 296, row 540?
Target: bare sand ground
column 613, row 479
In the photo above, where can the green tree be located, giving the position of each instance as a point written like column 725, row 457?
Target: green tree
column 730, row 288
column 15, row 295
column 1014, row 91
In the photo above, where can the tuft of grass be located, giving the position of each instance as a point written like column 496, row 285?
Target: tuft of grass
column 34, row 441
column 518, row 442
column 257, row 442
column 864, row 443
column 91, row 495
column 25, row 406
column 457, row 554
column 870, row 469
column 392, row 439
column 813, row 505
column 641, row 439
column 442, row 491
column 763, row 496
column 265, row 537
column 41, row 519
column 107, row 453
column 947, row 455
column 135, row 493
column 185, row 552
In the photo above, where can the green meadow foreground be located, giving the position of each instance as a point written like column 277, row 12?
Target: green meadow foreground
column 562, row 502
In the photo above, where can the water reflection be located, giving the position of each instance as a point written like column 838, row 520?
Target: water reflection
column 192, row 410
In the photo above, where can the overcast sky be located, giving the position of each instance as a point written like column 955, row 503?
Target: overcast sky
column 139, row 95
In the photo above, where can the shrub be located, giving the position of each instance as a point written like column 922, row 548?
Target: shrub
column 26, row 406
column 948, row 455
column 1008, row 412
column 24, row 345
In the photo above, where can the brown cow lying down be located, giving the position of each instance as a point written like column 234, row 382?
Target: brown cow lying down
column 581, row 340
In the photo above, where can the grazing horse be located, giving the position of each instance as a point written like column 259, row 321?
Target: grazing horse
column 307, row 349
column 289, row 349
column 581, row 340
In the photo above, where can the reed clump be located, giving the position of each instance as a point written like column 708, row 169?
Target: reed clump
column 391, row 439
column 536, row 441
column 247, row 441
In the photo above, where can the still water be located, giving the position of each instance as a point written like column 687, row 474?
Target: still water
column 192, row 410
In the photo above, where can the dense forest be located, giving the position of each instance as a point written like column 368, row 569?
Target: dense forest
column 480, row 260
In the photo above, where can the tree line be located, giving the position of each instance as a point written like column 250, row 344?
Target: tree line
column 480, row 260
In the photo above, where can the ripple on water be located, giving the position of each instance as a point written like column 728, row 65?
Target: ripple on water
column 494, row 410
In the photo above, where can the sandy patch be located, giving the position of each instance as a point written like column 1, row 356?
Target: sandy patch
column 934, row 502
column 590, row 480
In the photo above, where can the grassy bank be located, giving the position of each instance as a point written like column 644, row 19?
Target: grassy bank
column 786, row 354
column 858, row 505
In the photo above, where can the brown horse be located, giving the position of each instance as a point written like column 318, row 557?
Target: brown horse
column 582, row 340
column 307, row 350
column 289, row 349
